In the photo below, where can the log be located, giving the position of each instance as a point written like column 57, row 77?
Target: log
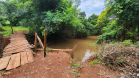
column 69, row 51
column 65, row 50
column 40, row 41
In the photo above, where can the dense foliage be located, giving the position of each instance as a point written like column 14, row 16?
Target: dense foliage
column 59, row 17
column 120, row 21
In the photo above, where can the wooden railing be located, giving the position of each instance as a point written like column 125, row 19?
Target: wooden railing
column 43, row 46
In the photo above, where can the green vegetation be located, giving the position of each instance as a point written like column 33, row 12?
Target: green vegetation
column 127, row 42
column 1, row 72
column 93, row 63
column 75, row 72
column 119, row 21
column 75, row 65
column 6, row 30
column 61, row 18
column 49, row 49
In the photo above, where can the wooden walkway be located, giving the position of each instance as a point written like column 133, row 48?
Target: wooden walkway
column 17, row 53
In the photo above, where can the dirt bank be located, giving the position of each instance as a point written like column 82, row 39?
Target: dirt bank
column 55, row 65
column 6, row 41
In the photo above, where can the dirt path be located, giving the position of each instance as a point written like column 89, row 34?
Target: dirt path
column 55, row 65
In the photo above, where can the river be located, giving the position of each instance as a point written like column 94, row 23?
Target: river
column 82, row 48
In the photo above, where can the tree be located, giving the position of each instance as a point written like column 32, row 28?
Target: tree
column 15, row 11
column 93, row 19
column 82, row 15
column 123, row 16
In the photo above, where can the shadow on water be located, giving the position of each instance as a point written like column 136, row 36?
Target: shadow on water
column 82, row 48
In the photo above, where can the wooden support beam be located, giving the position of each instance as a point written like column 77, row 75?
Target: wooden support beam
column 40, row 41
column 45, row 39
column 35, row 42
column 69, row 51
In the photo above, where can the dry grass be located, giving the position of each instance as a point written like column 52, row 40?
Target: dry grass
column 118, row 57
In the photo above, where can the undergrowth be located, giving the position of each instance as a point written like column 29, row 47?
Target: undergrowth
column 120, row 56
column 74, row 66
column 6, row 30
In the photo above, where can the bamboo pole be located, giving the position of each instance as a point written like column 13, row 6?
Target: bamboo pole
column 35, row 43
column 40, row 41
column 45, row 39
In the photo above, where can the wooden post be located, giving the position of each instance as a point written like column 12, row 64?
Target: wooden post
column 12, row 30
column 45, row 39
column 35, row 43
column 1, row 45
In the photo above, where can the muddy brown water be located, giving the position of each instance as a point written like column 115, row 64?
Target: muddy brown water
column 82, row 48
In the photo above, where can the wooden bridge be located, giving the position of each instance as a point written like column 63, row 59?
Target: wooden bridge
column 17, row 53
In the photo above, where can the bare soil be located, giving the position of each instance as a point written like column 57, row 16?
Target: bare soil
column 55, row 65
column 6, row 41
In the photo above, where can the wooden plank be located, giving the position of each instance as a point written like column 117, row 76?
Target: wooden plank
column 5, row 55
column 30, row 55
column 14, row 62
column 14, row 48
column 4, row 62
column 24, row 58
column 17, row 50
column 13, row 45
column 40, row 41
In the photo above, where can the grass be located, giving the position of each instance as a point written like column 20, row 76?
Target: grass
column 75, row 65
column 93, row 63
column 7, row 30
column 75, row 72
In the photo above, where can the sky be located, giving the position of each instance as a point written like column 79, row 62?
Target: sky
column 91, row 6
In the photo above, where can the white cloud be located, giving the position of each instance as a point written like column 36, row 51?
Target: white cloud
column 92, row 6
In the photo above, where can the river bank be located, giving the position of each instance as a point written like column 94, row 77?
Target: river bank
column 55, row 65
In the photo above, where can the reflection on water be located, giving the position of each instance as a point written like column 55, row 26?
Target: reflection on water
column 88, row 53
column 81, row 47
